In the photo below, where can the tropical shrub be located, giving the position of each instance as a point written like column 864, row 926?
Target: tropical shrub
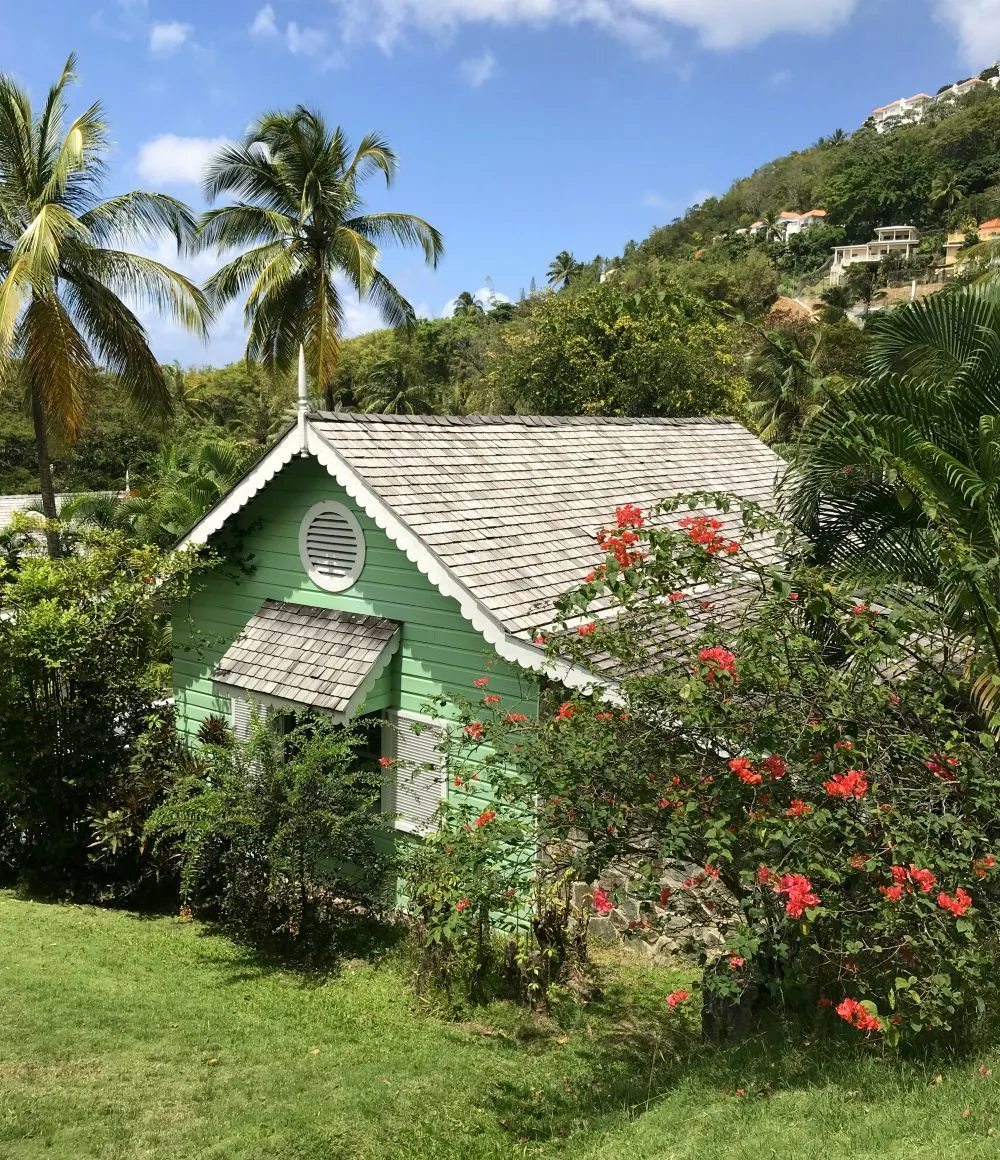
column 82, row 682
column 808, row 747
column 278, row 836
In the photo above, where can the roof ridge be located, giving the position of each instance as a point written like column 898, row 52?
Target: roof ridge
column 519, row 420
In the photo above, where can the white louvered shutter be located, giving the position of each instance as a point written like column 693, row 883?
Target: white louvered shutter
column 332, row 546
column 241, row 718
column 412, row 791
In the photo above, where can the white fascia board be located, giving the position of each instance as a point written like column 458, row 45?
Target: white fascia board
column 519, row 652
column 261, row 474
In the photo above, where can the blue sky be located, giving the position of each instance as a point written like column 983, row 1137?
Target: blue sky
column 523, row 127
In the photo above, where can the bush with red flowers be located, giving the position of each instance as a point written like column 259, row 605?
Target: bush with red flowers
column 795, row 749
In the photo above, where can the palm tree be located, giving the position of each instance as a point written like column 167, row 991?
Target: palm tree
column 301, row 213
column 899, row 477
column 60, row 310
column 946, row 191
column 467, row 306
column 787, row 384
column 562, row 268
column 392, row 389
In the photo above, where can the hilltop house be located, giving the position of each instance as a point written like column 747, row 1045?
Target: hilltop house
column 989, row 231
column 385, row 561
column 788, row 222
column 905, row 111
column 889, row 240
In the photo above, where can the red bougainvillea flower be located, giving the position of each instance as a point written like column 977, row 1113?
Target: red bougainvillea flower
column 485, row 818
column 481, row 682
column 602, row 904
column 718, row 660
column 743, row 768
column 764, row 875
column 491, row 699
column 858, row 862
column 664, row 895
column 775, row 766
column 957, row 905
column 984, row 1071
column 736, row 961
column 847, row 785
column 858, row 1016
column 587, row 629
column 539, row 639
column 461, row 904
column 675, row 596
column 474, row 729
column 566, row 710
column 893, row 893
column 629, row 516
column 798, row 894
column 515, row 718
column 942, row 766
column 898, row 873
column 982, row 865
column 859, row 609
column 793, row 596
column 677, row 997
column 824, row 1002
column 385, row 762
column 924, row 879
column 605, row 717
column 798, row 809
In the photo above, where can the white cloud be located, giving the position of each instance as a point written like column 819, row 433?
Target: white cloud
column 169, row 159
column 306, row 41
column 675, row 205
column 477, row 70
column 646, row 24
column 976, row 24
column 167, row 38
column 263, row 23
column 486, row 296
column 781, row 77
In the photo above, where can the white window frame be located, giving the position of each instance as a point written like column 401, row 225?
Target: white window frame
column 394, row 721
column 320, row 579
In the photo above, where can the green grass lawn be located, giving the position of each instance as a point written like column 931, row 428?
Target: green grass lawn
column 129, row 1037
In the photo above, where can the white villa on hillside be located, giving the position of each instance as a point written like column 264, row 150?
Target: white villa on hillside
column 789, row 222
column 902, row 240
column 905, row 111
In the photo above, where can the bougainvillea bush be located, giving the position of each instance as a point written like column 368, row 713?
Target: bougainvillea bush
column 807, row 746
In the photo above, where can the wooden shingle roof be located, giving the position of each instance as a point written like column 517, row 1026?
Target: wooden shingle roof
column 511, row 505
column 313, row 657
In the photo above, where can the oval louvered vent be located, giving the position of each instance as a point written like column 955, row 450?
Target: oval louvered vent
column 332, row 546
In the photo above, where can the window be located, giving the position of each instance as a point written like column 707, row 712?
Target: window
column 417, row 783
column 332, row 546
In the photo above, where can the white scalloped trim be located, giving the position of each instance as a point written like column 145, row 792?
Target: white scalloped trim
column 518, row 651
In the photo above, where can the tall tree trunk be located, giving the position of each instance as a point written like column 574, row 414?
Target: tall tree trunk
column 45, row 472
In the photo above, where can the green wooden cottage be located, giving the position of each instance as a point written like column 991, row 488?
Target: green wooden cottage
column 383, row 561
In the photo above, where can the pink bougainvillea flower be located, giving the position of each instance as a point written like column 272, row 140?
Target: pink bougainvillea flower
column 602, row 903
column 775, row 766
column 566, row 710
column 736, row 961
column 474, row 729
column 718, row 660
column 942, row 766
column 858, row 1016
column 481, row 682
column 798, row 894
column 629, row 516
column 677, row 997
column 461, row 904
column 847, row 785
column 539, row 639
column 957, row 905
column 793, row 596
column 743, row 768
column 485, row 818
column 385, row 762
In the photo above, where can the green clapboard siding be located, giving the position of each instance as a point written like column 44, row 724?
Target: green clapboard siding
column 440, row 652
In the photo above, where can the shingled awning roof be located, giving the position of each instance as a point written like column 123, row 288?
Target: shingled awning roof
column 314, row 657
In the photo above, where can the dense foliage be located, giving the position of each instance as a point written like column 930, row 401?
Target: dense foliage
column 82, row 683
column 278, row 836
